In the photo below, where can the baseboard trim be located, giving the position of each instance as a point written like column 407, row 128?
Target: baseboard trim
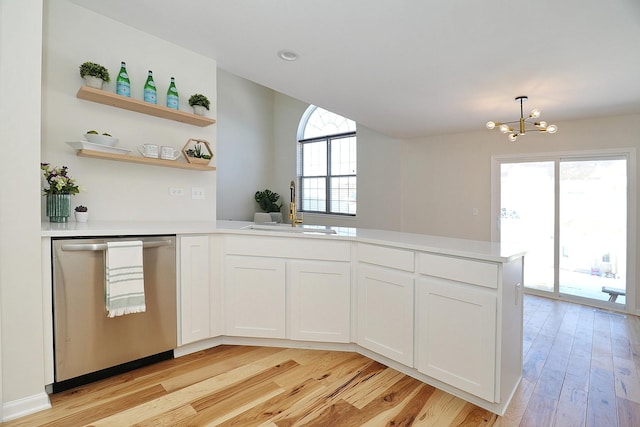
column 25, row 406
column 197, row 346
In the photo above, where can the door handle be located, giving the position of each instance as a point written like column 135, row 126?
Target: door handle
column 96, row 247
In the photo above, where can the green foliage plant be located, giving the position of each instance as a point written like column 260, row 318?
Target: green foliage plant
column 197, row 152
column 95, row 70
column 267, row 200
column 199, row 99
column 95, row 132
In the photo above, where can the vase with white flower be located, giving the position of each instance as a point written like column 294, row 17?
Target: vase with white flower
column 59, row 191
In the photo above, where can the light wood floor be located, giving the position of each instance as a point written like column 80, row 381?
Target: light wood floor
column 581, row 368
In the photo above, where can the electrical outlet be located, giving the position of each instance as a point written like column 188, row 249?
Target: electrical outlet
column 176, row 191
column 197, row 193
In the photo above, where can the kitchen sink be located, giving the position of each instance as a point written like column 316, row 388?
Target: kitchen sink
column 287, row 228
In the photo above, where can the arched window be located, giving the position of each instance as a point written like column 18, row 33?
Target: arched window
column 327, row 163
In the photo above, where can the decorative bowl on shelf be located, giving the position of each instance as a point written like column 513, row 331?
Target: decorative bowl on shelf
column 96, row 138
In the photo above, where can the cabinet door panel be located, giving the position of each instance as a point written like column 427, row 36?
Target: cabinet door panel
column 195, row 289
column 456, row 328
column 385, row 312
column 255, row 297
column 320, row 300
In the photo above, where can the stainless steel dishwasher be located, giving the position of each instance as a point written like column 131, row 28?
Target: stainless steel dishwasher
column 88, row 344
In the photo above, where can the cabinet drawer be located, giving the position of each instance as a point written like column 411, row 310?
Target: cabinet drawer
column 386, row 257
column 292, row 248
column 459, row 269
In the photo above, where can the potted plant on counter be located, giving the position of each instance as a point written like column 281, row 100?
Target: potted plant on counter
column 60, row 189
column 268, row 202
column 94, row 75
column 81, row 213
column 200, row 103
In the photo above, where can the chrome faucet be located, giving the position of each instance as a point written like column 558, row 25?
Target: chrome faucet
column 293, row 209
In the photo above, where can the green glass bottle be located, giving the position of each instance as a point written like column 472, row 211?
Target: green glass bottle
column 172, row 95
column 123, row 85
column 150, row 89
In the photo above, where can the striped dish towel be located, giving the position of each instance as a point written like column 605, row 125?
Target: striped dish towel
column 124, row 278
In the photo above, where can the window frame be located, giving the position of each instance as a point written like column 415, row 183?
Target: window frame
column 327, row 178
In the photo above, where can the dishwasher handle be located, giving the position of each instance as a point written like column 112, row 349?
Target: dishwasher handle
column 95, row 247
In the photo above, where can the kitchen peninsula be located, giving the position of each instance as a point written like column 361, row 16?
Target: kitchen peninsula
column 445, row 311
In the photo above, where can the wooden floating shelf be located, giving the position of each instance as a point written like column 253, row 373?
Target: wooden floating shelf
column 107, row 98
column 144, row 160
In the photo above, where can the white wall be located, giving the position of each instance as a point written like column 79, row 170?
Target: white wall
column 257, row 150
column 444, row 177
column 39, row 110
column 379, row 164
column 21, row 311
column 116, row 190
column 245, row 145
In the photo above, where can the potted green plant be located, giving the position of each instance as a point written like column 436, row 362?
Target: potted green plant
column 200, row 103
column 94, row 75
column 268, row 202
column 81, row 213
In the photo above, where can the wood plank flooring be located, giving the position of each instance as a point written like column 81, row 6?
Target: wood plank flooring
column 581, row 368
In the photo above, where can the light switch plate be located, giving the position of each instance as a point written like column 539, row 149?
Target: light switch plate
column 197, row 193
column 176, row 191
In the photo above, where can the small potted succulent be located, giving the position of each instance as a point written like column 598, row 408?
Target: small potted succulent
column 81, row 213
column 197, row 151
column 200, row 103
column 94, row 75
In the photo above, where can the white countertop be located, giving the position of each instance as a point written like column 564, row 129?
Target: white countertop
column 489, row 251
column 131, row 228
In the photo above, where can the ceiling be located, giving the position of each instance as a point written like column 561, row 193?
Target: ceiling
column 413, row 68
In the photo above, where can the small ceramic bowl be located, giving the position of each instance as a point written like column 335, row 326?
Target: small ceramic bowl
column 101, row 139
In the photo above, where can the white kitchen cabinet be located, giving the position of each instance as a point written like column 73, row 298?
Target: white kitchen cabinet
column 195, row 289
column 456, row 335
column 320, row 300
column 385, row 312
column 449, row 314
column 254, row 297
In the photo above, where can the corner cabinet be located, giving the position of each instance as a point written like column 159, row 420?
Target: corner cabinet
column 282, row 287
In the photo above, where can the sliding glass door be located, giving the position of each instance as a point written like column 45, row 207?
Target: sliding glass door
column 571, row 215
column 527, row 218
column 593, row 228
